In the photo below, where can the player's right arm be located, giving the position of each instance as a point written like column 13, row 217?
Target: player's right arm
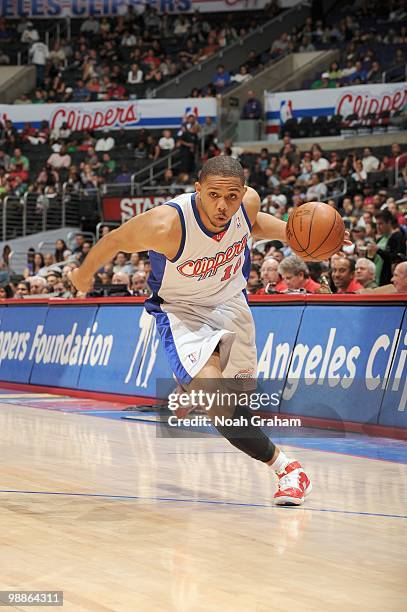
column 158, row 229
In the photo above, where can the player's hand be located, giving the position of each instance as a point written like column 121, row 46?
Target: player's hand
column 80, row 281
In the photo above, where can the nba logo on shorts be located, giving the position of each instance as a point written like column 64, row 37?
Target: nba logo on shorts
column 193, row 357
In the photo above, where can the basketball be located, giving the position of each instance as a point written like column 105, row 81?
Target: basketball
column 315, row 231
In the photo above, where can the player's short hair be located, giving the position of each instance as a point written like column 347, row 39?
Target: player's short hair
column 222, row 165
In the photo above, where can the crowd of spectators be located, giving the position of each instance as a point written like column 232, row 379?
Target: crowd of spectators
column 117, row 58
column 87, row 160
column 376, row 259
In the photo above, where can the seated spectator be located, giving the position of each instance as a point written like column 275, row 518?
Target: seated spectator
column 306, row 45
column 37, row 285
column 270, row 277
column 252, row 108
column 59, row 160
column 62, row 289
column 334, row 72
column 324, row 82
column 370, row 163
column 81, row 93
column 60, row 133
column 48, row 176
column 107, row 165
column 105, row 142
column 375, row 73
column 18, row 157
column 359, row 175
column 139, row 285
column 135, row 75
column 365, row 272
column 60, row 248
column 120, row 262
column 242, row 76
column 86, row 247
column 280, row 45
column 132, row 265
column 343, row 275
column 317, row 191
column 6, row 292
column 221, row 79
column 166, row 142
column 52, row 277
column 390, row 245
column 295, row 274
column 399, row 278
column 30, row 34
column 90, row 26
column 23, row 289
column 124, row 176
column 318, row 162
column 253, row 282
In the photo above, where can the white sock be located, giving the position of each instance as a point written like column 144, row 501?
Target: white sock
column 281, row 462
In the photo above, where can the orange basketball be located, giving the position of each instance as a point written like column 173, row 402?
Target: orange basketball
column 315, row 231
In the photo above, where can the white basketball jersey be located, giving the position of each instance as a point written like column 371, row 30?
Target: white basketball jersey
column 209, row 268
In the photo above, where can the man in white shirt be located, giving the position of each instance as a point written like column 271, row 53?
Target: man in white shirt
column 90, row 26
column 39, row 53
column 319, row 163
column 105, row 143
column 59, row 160
column 166, row 142
column 30, row 34
column 370, row 162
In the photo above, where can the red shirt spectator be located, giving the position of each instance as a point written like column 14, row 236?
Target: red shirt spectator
column 351, row 288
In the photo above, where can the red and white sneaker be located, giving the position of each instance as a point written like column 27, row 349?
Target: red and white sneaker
column 293, row 485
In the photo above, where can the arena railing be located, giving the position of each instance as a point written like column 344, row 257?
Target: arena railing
column 149, row 173
column 336, row 195
column 36, row 212
column 235, row 54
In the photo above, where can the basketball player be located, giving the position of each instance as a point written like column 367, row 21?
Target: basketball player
column 200, row 263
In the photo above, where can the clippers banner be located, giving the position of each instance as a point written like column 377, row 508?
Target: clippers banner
column 361, row 99
column 124, row 115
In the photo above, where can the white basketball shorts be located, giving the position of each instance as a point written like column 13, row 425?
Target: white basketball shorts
column 190, row 333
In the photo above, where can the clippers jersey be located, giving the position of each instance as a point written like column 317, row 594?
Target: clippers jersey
column 209, row 269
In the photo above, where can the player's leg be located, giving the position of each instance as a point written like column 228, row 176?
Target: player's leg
column 294, row 485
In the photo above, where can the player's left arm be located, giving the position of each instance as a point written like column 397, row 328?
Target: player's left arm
column 264, row 226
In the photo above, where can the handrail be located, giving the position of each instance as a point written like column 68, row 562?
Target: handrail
column 150, row 168
column 339, row 179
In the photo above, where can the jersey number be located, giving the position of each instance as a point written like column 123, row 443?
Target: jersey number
column 228, row 271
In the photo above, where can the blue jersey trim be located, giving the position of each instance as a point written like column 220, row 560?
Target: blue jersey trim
column 158, row 262
column 246, row 216
column 199, row 220
column 153, row 307
column 247, row 263
column 181, row 217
